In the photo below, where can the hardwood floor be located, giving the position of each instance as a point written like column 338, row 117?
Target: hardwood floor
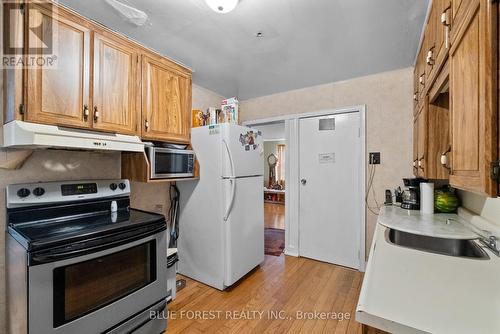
column 282, row 284
column 274, row 215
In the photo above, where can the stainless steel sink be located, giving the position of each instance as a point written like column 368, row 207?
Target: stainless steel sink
column 451, row 247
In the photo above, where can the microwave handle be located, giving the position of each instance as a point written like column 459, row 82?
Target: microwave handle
column 231, row 201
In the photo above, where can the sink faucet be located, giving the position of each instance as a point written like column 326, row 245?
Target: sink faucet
column 490, row 241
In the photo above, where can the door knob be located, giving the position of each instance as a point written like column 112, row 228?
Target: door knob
column 303, row 181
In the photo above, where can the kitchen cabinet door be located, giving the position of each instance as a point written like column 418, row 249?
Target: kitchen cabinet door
column 421, row 66
column 166, row 101
column 415, row 90
column 116, row 85
column 59, row 95
column 430, row 37
column 437, row 52
column 438, row 137
column 415, row 146
column 422, row 141
column 473, row 94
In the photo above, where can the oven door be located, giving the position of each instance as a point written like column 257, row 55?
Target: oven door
column 171, row 163
column 95, row 291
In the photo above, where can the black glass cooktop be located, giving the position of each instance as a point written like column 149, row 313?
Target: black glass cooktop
column 56, row 225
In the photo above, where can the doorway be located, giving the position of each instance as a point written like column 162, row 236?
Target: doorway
column 294, row 221
column 274, row 187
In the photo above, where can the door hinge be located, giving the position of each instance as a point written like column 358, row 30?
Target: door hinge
column 21, row 109
column 21, row 8
column 495, row 170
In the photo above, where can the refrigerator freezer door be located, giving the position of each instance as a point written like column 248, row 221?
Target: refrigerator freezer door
column 244, row 228
column 242, row 151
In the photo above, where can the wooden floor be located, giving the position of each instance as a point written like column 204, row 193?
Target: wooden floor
column 274, row 215
column 286, row 284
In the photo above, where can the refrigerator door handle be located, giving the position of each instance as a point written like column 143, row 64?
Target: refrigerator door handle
column 231, row 162
column 231, row 201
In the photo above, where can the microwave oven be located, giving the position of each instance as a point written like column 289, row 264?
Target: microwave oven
column 170, row 163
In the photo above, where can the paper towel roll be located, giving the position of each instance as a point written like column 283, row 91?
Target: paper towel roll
column 427, row 197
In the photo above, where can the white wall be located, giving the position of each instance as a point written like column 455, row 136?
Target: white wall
column 273, row 131
column 389, row 115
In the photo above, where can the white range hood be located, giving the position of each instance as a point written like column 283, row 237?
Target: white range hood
column 19, row 134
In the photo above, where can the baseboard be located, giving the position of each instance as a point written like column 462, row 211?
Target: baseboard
column 291, row 253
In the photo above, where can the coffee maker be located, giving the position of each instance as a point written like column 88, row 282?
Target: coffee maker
column 411, row 196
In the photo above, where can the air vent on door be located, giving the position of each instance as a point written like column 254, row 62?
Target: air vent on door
column 327, row 124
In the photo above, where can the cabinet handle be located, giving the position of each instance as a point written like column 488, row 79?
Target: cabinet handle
column 429, row 60
column 420, row 164
column 146, row 124
column 445, row 20
column 96, row 114
column 415, row 97
column 85, row 112
column 421, row 79
column 415, row 163
column 444, row 159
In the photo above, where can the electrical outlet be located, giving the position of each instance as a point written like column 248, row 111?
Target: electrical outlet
column 374, row 158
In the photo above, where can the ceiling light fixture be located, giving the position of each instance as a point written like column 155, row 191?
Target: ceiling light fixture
column 222, row 6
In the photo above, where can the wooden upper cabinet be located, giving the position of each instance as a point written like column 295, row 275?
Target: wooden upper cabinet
column 166, row 101
column 420, row 66
column 59, row 95
column 438, row 127
column 473, row 93
column 116, row 85
column 437, row 48
column 415, row 146
column 422, row 141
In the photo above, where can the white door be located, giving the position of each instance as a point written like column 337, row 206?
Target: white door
column 244, row 227
column 330, row 199
column 242, row 151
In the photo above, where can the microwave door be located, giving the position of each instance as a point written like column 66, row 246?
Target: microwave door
column 170, row 163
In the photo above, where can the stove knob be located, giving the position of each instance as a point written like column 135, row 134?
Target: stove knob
column 113, row 186
column 23, row 192
column 122, row 185
column 38, row 191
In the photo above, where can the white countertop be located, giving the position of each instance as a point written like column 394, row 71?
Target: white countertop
column 448, row 226
column 411, row 291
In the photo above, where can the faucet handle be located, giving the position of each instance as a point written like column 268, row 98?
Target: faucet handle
column 493, row 241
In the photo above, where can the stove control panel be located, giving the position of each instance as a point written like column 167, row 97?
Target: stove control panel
column 32, row 194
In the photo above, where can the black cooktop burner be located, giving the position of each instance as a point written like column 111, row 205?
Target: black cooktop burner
column 43, row 227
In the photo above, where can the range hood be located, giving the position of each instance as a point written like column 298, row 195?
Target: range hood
column 19, row 134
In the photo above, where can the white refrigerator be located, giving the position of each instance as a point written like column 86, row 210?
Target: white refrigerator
column 221, row 223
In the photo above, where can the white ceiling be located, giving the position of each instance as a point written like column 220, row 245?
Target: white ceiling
column 306, row 42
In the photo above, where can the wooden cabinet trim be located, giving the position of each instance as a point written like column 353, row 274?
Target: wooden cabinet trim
column 462, row 22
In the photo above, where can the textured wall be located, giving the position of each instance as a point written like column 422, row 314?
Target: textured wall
column 57, row 165
column 388, row 100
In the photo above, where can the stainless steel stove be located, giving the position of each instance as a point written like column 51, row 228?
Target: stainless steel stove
column 80, row 260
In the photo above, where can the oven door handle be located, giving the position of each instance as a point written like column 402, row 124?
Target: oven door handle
column 94, row 245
